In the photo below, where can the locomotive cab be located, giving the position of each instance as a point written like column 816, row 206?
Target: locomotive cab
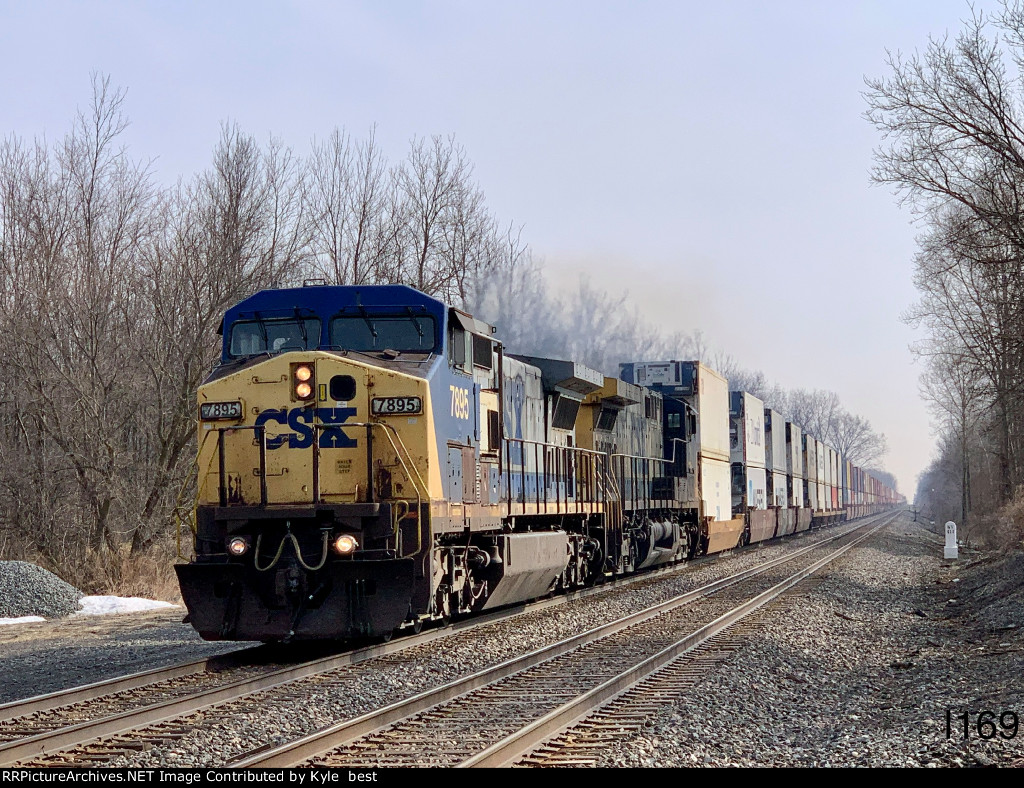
column 315, row 465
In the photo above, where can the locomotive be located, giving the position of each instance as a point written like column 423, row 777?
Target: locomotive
column 371, row 459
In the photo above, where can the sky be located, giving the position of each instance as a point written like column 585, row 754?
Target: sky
column 711, row 159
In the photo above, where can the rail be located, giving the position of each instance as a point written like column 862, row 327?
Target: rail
column 308, row 749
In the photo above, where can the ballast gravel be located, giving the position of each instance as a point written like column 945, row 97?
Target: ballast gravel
column 30, row 590
column 234, row 729
column 861, row 670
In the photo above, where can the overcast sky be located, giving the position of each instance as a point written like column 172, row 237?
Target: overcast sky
column 710, row 158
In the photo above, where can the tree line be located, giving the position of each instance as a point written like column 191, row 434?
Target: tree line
column 952, row 121
column 112, row 287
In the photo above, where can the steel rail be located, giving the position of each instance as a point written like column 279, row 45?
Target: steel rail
column 62, row 738
column 68, row 697
column 520, row 743
column 307, row 747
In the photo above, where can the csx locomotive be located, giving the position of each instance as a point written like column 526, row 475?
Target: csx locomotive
column 371, row 459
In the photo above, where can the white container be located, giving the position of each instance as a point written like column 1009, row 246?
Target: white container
column 775, row 459
column 794, row 451
column 797, row 500
column 716, row 488
column 778, row 489
column 810, row 459
column 746, row 429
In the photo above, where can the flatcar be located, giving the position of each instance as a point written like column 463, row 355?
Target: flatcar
column 371, row 459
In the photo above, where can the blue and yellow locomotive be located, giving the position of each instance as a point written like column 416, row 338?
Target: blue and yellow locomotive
column 370, row 459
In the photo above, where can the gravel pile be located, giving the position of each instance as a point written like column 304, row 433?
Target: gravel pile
column 30, row 590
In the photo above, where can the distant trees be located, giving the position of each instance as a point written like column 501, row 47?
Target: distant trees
column 112, row 287
column 952, row 118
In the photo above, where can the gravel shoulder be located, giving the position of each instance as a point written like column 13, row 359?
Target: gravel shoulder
column 48, row 656
column 861, row 670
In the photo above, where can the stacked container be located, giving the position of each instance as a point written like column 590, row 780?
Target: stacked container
column 775, row 459
column 749, row 477
column 824, row 499
column 810, row 462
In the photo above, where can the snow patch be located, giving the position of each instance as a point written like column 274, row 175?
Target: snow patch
column 100, row 606
column 21, row 620
column 107, row 605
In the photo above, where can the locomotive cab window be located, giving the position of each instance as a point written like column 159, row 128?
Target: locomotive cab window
column 275, row 335
column 459, row 348
column 375, row 333
column 482, row 354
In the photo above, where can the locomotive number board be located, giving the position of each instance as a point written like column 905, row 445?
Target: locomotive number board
column 385, row 406
column 214, row 411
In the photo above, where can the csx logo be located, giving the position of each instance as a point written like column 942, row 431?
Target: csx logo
column 460, row 402
column 301, row 420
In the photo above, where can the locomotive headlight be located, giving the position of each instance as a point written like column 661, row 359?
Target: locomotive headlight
column 303, row 383
column 238, row 546
column 345, row 544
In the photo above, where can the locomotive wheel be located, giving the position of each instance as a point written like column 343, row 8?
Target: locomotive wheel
column 417, row 626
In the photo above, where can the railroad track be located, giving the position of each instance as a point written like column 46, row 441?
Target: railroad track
column 80, row 716
column 500, row 714
column 95, row 724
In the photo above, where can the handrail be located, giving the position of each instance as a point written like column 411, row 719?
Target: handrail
column 388, row 432
column 585, row 469
column 261, row 436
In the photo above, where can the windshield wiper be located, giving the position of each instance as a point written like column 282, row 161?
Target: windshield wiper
column 263, row 331
column 369, row 324
column 415, row 322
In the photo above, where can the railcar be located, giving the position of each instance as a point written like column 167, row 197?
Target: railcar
column 370, row 459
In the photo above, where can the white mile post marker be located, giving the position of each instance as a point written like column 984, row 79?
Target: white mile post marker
column 950, row 550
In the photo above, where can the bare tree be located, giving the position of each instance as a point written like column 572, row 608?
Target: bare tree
column 951, row 117
column 349, row 194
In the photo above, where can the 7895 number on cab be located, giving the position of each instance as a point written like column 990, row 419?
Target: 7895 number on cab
column 387, row 406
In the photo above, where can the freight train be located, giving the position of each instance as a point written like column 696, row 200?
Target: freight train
column 371, row 459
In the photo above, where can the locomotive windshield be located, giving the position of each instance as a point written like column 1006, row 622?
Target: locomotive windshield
column 275, row 335
column 370, row 333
